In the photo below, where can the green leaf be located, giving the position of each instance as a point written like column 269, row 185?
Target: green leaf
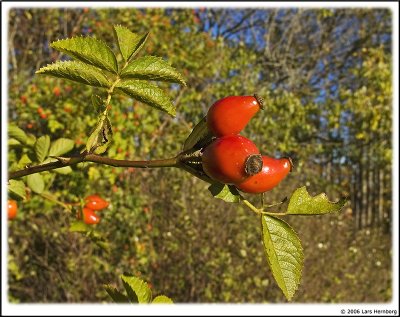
column 301, row 203
column 41, row 147
column 98, row 103
column 106, row 139
column 162, row 299
column 76, row 71
column 13, row 142
column 284, row 254
column 137, row 290
column 61, row 146
column 31, row 139
column 148, row 94
column 90, row 51
column 61, row 170
column 101, row 137
column 199, row 136
column 152, row 68
column 16, row 189
column 115, row 294
column 227, row 193
column 129, row 43
column 35, row 182
column 17, row 134
column 79, row 226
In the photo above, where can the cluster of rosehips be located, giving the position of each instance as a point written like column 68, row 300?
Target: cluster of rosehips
column 92, row 203
column 234, row 159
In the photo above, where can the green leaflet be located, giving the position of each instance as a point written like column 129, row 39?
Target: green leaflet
column 152, row 68
column 115, row 294
column 88, row 50
column 227, row 193
column 301, row 203
column 284, row 253
column 199, row 136
column 41, row 147
column 148, row 94
column 98, row 103
column 35, row 182
column 61, row 146
column 76, row 71
column 162, row 299
column 79, row 226
column 137, row 290
column 17, row 134
column 101, row 137
column 129, row 43
column 16, row 189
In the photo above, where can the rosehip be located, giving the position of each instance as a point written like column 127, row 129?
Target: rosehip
column 229, row 116
column 89, row 217
column 56, row 91
column 229, row 159
column 272, row 173
column 12, row 209
column 95, row 202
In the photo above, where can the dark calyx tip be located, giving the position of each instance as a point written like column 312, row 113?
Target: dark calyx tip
column 260, row 101
column 254, row 164
column 291, row 162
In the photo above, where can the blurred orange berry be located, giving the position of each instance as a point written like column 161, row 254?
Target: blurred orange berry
column 56, row 91
column 12, row 209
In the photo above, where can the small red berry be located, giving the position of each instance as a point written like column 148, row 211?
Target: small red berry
column 56, row 91
column 95, row 202
column 272, row 173
column 24, row 99
column 12, row 209
column 89, row 217
column 229, row 116
column 225, row 159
